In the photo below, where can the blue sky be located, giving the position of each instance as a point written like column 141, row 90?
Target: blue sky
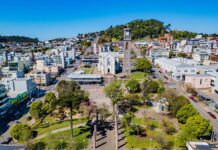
column 47, row 19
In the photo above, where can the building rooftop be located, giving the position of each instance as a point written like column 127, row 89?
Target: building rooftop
column 83, row 76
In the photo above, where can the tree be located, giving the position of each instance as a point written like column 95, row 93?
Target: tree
column 21, row 132
column 216, row 106
column 149, row 86
column 39, row 110
column 185, row 112
column 143, row 64
column 115, row 93
column 127, row 119
column 133, row 86
column 175, row 104
column 36, row 110
column 51, row 100
column 70, row 96
column 183, row 55
column 195, row 128
column 171, row 54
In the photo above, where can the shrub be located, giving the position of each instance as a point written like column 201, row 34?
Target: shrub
column 136, row 130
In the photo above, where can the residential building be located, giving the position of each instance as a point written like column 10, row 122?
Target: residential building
column 4, row 101
column 42, row 65
column 214, row 80
column 40, row 77
column 199, row 81
column 158, row 53
column 6, row 72
column 177, row 68
column 20, row 85
column 200, row 55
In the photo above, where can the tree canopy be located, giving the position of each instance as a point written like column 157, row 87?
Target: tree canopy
column 185, row 112
column 38, row 110
column 140, row 29
column 195, row 127
column 21, row 132
column 114, row 92
column 143, row 64
column 18, row 39
column 133, row 86
column 175, row 104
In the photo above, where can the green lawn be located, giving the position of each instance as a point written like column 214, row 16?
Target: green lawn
column 53, row 126
column 151, row 140
column 138, row 75
column 62, row 140
column 88, row 70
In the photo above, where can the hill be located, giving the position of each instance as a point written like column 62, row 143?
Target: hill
column 140, row 28
column 18, row 39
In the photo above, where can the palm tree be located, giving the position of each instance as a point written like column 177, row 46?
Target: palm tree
column 115, row 93
column 70, row 96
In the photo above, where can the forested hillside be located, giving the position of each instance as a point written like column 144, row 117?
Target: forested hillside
column 17, row 39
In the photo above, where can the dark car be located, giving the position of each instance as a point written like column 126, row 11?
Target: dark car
column 7, row 141
column 193, row 99
column 212, row 115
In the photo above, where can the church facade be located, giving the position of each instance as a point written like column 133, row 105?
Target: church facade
column 109, row 63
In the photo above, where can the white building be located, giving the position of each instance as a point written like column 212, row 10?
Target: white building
column 200, row 55
column 20, row 85
column 158, row 53
column 177, row 68
column 108, row 62
column 6, row 72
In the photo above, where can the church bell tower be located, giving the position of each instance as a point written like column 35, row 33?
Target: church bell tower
column 127, row 57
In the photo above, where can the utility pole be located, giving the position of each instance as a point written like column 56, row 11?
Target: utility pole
column 115, row 126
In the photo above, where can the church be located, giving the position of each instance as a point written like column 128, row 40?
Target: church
column 109, row 63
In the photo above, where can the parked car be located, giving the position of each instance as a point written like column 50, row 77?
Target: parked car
column 7, row 141
column 193, row 99
column 211, row 115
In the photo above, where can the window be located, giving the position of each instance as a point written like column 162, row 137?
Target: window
column 186, row 71
column 200, row 81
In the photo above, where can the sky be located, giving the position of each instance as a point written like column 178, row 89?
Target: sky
column 46, row 19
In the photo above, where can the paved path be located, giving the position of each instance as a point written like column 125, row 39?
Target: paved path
column 59, row 130
column 106, row 138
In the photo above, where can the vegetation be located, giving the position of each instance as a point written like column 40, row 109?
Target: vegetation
column 49, row 126
column 38, row 110
column 149, row 86
column 179, row 35
column 185, row 112
column 183, row 55
column 21, row 132
column 133, row 86
column 140, row 28
column 175, row 104
column 18, row 39
column 70, row 96
column 143, row 65
column 138, row 75
column 115, row 93
column 62, row 140
column 195, row 128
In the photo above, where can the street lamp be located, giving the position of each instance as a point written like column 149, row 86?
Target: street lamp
column 61, row 143
column 150, row 143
